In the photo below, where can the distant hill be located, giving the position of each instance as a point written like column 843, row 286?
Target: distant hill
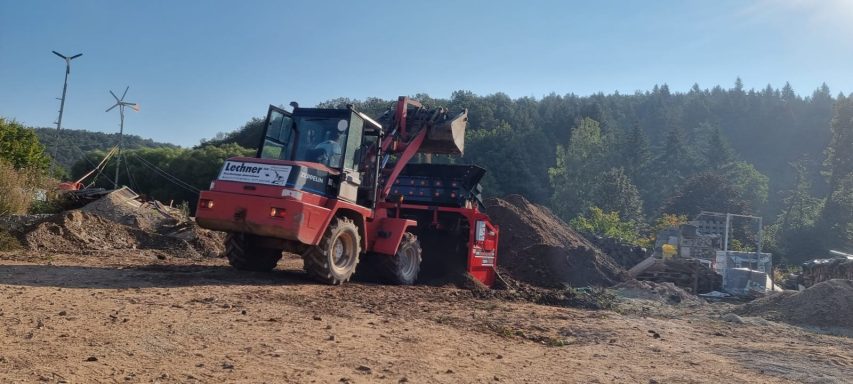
column 69, row 145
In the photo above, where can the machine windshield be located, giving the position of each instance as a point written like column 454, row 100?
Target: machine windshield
column 321, row 140
column 314, row 139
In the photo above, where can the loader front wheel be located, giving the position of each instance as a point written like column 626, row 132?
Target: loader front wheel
column 244, row 254
column 334, row 259
column 403, row 268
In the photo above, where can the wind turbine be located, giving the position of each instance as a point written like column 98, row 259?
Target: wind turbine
column 65, row 85
column 120, row 103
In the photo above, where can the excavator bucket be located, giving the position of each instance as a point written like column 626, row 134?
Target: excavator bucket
column 446, row 136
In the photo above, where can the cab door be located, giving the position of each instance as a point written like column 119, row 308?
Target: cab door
column 277, row 140
column 350, row 176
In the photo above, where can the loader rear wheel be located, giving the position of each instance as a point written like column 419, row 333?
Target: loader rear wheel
column 403, row 268
column 245, row 255
column 334, row 259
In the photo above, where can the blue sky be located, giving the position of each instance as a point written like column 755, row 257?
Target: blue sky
column 202, row 67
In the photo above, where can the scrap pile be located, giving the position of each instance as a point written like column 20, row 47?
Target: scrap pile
column 819, row 270
column 684, row 272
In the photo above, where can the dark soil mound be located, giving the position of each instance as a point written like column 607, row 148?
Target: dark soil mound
column 828, row 305
column 538, row 248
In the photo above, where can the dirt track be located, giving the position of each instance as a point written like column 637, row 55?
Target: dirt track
column 129, row 317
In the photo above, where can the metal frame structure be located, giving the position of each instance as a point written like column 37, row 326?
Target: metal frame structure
column 728, row 229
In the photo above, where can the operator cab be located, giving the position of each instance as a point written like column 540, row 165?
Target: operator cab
column 331, row 141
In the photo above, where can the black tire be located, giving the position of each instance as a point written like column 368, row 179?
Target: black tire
column 334, row 259
column 244, row 255
column 402, row 268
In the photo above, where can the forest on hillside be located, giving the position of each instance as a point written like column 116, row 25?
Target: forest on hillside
column 638, row 158
column 68, row 146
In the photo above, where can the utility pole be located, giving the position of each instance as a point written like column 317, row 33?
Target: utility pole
column 64, row 85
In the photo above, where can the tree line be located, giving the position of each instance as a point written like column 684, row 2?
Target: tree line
column 620, row 164
column 768, row 152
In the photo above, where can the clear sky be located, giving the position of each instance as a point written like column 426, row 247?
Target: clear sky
column 202, row 67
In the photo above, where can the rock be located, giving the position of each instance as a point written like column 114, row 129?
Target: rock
column 227, row 365
column 91, row 358
column 732, row 318
column 364, row 369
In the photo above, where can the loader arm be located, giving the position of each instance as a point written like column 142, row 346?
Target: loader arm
column 429, row 131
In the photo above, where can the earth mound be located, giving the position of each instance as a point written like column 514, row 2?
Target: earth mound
column 827, row 305
column 120, row 221
column 77, row 230
column 667, row 293
column 538, row 248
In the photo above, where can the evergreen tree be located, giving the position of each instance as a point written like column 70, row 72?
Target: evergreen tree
column 635, row 154
column 837, row 217
column 718, row 152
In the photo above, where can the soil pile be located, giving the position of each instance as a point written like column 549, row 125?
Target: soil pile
column 538, row 248
column 77, row 230
column 827, row 305
column 120, row 221
column 625, row 254
column 122, row 206
column 667, row 293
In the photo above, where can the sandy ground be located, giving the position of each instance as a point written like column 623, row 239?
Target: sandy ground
column 130, row 317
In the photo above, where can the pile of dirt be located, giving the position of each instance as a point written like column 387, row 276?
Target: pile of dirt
column 120, row 221
column 77, row 230
column 538, row 248
column 827, row 305
column 124, row 207
column 623, row 253
column 208, row 243
column 667, row 293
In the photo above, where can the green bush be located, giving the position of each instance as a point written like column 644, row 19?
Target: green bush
column 597, row 222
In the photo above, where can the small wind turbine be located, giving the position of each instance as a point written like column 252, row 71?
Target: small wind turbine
column 65, row 85
column 120, row 103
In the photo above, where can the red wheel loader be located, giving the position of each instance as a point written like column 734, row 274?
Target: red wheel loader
column 337, row 187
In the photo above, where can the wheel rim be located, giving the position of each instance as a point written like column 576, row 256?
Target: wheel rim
column 408, row 261
column 343, row 252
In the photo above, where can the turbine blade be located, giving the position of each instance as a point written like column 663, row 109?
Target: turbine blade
column 125, row 92
column 76, row 56
column 59, row 54
column 135, row 107
column 114, row 95
column 111, row 108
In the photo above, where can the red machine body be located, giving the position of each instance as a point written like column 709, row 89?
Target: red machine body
column 296, row 199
